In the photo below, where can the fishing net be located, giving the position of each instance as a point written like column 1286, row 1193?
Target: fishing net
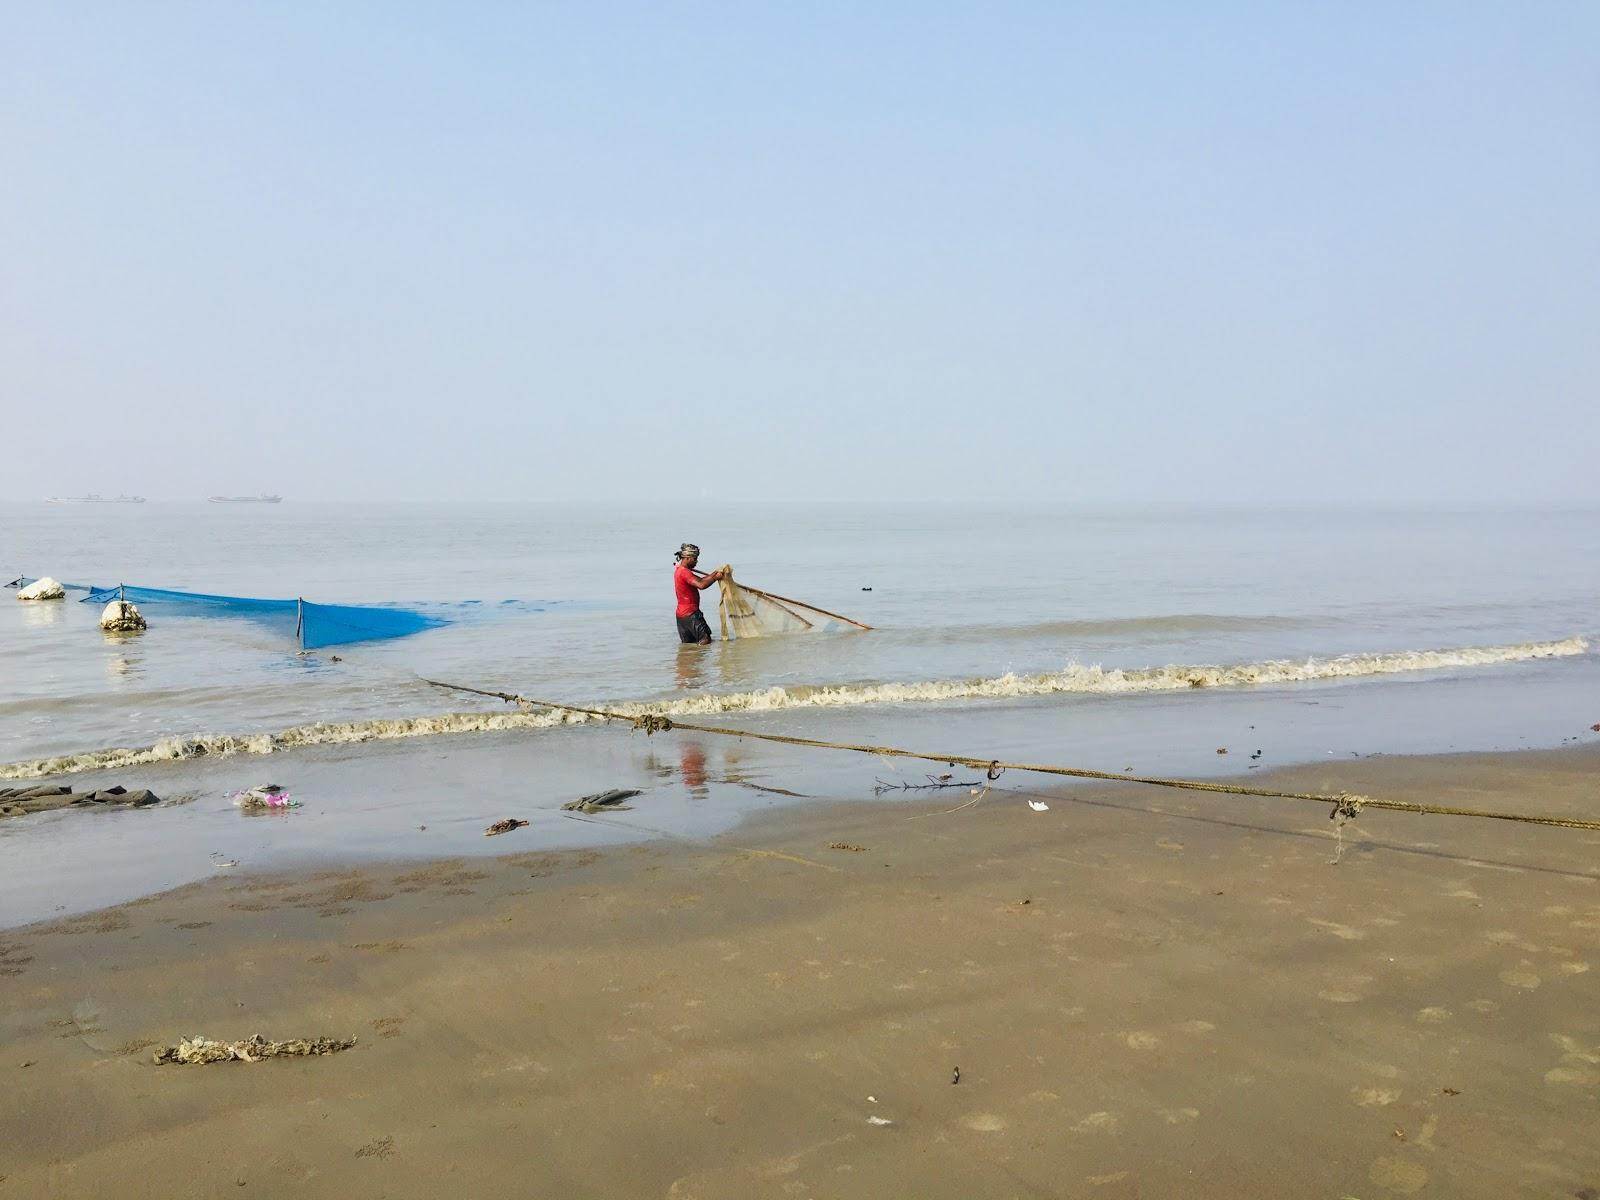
column 748, row 612
column 312, row 625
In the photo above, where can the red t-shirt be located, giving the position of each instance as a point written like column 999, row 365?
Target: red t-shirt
column 688, row 594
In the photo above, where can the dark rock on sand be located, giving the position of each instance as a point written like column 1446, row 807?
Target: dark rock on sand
column 19, row 802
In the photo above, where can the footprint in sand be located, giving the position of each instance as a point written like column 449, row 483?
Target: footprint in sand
column 1572, row 1050
column 1102, row 1180
column 1338, row 997
column 1398, row 1175
column 1338, row 930
column 1433, row 1014
column 1097, row 1122
column 1521, row 977
column 1177, row 1116
column 1196, row 1027
column 1486, row 1008
column 1142, row 1041
column 1574, row 968
column 984, row 1122
column 1580, row 1076
column 1374, row 1097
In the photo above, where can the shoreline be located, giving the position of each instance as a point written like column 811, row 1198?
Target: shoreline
column 370, row 805
column 1146, row 992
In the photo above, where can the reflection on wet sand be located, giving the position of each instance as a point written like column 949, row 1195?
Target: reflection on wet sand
column 693, row 765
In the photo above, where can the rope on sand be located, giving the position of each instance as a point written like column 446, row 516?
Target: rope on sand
column 1346, row 805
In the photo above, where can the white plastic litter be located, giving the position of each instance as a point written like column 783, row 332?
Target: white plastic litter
column 1038, row 806
column 879, row 1121
column 42, row 589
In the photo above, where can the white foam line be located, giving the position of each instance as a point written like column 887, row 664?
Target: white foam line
column 1074, row 679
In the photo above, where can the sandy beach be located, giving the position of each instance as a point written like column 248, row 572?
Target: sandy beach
column 1145, row 994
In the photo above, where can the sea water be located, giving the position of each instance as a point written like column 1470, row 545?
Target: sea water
column 1091, row 637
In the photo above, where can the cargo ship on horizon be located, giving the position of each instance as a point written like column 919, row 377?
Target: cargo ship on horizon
column 247, row 499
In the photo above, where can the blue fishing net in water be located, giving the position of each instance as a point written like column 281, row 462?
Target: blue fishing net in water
column 313, row 625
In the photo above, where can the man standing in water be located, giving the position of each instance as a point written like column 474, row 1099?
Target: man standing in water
column 688, row 584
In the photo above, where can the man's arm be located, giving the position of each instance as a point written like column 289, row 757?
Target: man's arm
column 704, row 581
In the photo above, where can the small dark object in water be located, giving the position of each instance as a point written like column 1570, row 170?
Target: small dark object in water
column 1222, row 749
column 866, row 589
column 505, row 826
column 1595, row 727
column 612, row 800
column 335, row 658
column 955, row 1075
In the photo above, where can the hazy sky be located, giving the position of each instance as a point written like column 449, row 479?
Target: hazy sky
column 1245, row 252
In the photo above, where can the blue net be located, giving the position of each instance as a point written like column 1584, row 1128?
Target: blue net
column 312, row 625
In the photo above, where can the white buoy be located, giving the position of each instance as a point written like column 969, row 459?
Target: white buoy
column 121, row 617
column 42, row 589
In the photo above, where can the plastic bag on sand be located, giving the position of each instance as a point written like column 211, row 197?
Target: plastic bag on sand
column 268, row 795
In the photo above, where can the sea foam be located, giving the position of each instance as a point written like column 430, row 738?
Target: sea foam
column 1071, row 680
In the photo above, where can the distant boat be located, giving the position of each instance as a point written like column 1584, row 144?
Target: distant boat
column 247, row 499
column 93, row 498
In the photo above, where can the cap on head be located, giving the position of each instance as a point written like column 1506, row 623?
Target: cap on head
column 687, row 550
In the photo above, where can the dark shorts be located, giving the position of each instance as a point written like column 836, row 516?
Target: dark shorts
column 693, row 628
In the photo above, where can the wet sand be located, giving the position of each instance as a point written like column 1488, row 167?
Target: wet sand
column 1146, row 993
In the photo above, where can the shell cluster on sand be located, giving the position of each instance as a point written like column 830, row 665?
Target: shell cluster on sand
column 505, row 826
column 200, row 1051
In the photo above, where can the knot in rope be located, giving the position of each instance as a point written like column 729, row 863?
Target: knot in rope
column 1346, row 807
column 652, row 723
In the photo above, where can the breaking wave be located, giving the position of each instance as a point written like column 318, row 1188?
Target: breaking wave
column 1072, row 680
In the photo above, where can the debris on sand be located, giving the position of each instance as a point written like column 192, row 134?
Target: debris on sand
column 201, row 1051
column 846, row 846
column 602, row 800
column 505, row 826
column 20, row 801
column 268, row 795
